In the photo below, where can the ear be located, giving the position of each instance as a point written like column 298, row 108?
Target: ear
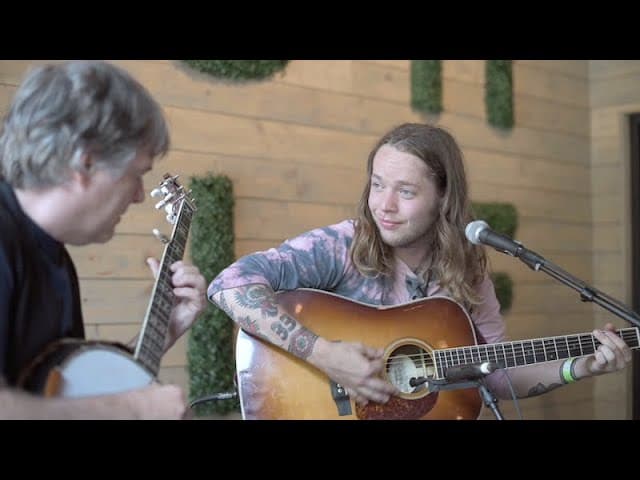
column 81, row 175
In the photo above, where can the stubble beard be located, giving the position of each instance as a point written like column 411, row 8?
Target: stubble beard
column 408, row 235
column 402, row 237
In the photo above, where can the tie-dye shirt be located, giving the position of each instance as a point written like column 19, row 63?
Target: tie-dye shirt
column 320, row 259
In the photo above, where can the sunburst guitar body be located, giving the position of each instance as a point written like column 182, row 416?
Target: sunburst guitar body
column 421, row 340
column 273, row 384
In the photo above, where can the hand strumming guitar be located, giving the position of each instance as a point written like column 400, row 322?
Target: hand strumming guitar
column 356, row 367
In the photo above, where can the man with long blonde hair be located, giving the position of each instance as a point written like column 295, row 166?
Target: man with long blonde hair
column 407, row 243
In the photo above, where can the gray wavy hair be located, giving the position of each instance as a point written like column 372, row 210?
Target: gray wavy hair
column 62, row 112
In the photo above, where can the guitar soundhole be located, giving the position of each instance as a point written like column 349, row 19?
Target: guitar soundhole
column 406, row 359
column 407, row 362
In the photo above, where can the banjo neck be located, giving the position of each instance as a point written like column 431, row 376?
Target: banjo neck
column 155, row 327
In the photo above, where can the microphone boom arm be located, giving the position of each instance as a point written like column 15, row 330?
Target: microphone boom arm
column 589, row 293
column 479, row 232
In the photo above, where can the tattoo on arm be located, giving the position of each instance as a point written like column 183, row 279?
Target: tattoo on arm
column 249, row 326
column 224, row 306
column 284, row 327
column 539, row 389
column 262, row 298
column 302, row 342
column 258, row 297
column 288, row 322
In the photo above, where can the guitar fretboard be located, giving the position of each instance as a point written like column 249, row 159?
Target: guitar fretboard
column 153, row 335
column 527, row 352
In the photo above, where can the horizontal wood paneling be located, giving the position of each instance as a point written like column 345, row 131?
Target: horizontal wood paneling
column 616, row 90
column 574, row 68
column 176, row 85
column 213, row 133
column 523, row 326
column 295, row 148
column 529, row 111
column 258, row 218
column 400, row 64
column 548, row 298
column 475, row 133
column 542, row 83
column 276, row 220
column 533, row 173
column 264, row 178
column 536, row 203
column 105, row 301
column 12, row 72
column 548, row 237
column 608, row 69
column 124, row 258
column 579, row 265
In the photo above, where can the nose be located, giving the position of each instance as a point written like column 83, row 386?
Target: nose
column 389, row 203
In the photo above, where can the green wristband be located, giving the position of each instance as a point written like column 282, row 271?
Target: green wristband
column 567, row 370
column 572, row 370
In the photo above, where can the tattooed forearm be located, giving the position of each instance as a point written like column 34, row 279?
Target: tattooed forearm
column 288, row 322
column 248, row 325
column 255, row 308
column 539, row 389
column 283, row 327
column 258, row 297
column 302, row 342
column 224, row 306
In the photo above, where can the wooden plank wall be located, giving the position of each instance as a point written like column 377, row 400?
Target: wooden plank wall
column 614, row 95
column 295, row 148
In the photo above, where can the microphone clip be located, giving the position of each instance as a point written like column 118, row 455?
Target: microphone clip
column 434, row 385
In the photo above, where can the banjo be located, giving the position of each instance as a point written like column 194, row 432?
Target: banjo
column 72, row 367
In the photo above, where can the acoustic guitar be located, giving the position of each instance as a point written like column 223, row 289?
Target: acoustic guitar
column 76, row 368
column 421, row 339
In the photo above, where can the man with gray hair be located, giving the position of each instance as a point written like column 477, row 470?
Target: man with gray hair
column 74, row 146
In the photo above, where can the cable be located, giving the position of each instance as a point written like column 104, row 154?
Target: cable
column 215, row 396
column 513, row 394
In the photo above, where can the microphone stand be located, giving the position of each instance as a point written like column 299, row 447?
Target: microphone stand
column 489, row 399
column 587, row 292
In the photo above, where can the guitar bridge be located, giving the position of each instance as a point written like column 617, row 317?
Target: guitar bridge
column 341, row 398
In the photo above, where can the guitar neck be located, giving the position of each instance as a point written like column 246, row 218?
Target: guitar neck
column 527, row 352
column 153, row 335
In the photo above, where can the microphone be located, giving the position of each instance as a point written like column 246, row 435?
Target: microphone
column 469, row 371
column 479, row 232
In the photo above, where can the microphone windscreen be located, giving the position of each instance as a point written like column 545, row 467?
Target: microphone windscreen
column 473, row 229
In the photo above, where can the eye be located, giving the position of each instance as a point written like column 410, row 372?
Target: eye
column 376, row 185
column 407, row 193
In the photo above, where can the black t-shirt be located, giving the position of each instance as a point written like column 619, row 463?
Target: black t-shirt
column 39, row 295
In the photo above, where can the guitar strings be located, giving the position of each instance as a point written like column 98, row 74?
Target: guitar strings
column 571, row 342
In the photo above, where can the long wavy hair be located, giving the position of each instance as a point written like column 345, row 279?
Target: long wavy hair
column 457, row 264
